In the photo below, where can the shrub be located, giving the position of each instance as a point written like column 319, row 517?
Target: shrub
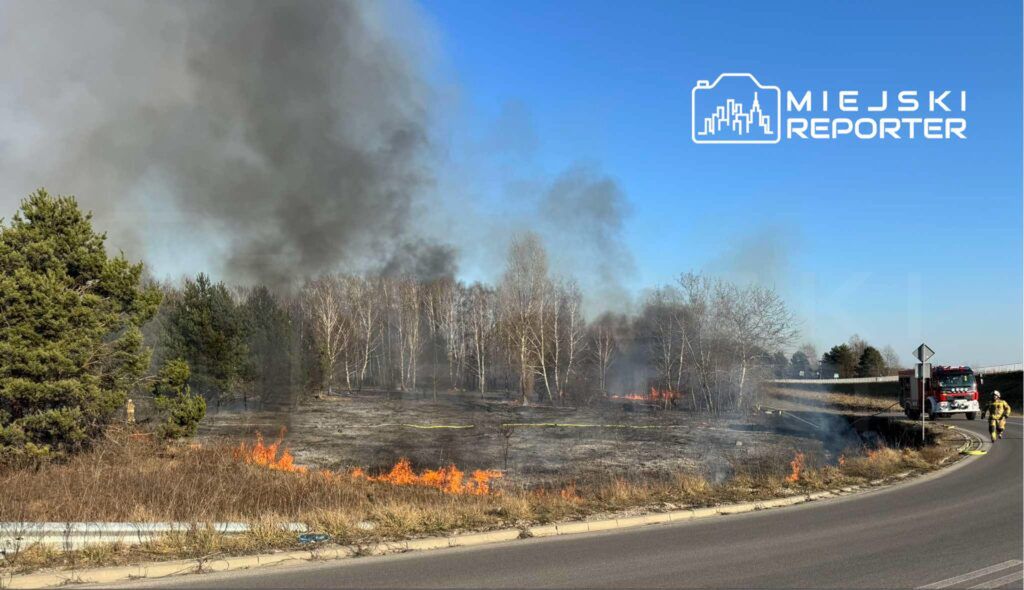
column 174, row 399
column 70, row 339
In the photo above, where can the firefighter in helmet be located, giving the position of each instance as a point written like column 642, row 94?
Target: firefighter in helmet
column 997, row 411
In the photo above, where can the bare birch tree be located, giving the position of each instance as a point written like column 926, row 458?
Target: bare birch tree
column 322, row 304
column 482, row 322
column 604, row 347
column 520, row 294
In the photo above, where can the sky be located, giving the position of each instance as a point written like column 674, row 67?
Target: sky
column 263, row 142
column 900, row 242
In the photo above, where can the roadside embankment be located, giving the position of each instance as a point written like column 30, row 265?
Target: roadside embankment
column 206, row 484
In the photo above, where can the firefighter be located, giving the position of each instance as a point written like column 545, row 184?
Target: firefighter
column 997, row 411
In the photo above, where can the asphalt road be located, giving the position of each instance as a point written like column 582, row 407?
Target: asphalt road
column 961, row 529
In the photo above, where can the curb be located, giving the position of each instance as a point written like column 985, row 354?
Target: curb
column 110, row 575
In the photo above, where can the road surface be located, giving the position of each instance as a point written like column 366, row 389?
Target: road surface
column 960, row 529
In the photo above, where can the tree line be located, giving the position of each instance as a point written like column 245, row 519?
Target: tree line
column 82, row 331
column 854, row 358
column 703, row 340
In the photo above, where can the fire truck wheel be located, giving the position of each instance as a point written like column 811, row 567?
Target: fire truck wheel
column 972, row 415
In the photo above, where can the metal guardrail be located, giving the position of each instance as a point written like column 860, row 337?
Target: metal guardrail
column 993, row 370
column 15, row 536
column 886, row 379
column 1000, row 369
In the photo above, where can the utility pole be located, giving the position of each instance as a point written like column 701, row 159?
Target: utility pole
column 923, row 372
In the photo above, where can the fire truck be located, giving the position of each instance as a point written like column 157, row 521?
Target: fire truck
column 950, row 390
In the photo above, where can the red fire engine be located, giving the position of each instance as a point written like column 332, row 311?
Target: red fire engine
column 949, row 390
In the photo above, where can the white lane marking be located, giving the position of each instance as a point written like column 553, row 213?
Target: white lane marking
column 996, row 583
column 972, row 575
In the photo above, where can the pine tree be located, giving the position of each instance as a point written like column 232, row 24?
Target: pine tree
column 181, row 409
column 205, row 328
column 70, row 341
column 840, row 359
column 800, row 365
column 269, row 339
column 871, row 363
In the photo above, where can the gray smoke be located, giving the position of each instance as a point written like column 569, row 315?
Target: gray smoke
column 285, row 138
column 421, row 260
column 761, row 256
column 585, row 210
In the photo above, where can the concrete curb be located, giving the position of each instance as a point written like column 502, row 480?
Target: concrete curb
column 111, row 575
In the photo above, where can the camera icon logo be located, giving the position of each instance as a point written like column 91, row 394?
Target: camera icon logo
column 736, row 108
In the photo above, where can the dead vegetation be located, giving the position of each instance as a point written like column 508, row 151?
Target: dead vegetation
column 793, row 398
column 126, row 479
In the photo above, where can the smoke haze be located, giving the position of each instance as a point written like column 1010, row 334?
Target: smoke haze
column 267, row 142
column 290, row 137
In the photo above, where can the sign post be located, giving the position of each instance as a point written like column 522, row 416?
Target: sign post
column 923, row 372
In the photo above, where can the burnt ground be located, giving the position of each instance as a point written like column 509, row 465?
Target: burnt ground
column 374, row 429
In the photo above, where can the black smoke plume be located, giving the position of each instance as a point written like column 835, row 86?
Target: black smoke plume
column 285, row 138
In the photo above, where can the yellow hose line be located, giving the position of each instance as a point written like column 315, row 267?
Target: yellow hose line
column 426, row 426
column 523, row 425
column 569, row 425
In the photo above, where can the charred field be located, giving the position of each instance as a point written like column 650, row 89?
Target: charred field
column 533, row 445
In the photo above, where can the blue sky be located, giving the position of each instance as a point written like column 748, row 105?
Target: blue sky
column 897, row 241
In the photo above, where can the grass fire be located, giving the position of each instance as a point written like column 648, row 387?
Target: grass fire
column 390, row 404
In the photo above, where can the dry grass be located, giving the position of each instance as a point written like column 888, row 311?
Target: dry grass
column 844, row 402
column 131, row 480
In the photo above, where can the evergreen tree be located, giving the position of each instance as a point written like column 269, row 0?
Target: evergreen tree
column 204, row 328
column 70, row 341
column 174, row 399
column 268, row 336
column 840, row 359
column 780, row 364
column 799, row 362
column 871, row 363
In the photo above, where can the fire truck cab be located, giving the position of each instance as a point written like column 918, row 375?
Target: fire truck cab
column 950, row 390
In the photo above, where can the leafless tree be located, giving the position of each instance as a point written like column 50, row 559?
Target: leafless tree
column 323, row 305
column 521, row 295
column 857, row 346
column 570, row 331
column 892, row 360
column 604, row 347
column 756, row 320
column 482, row 322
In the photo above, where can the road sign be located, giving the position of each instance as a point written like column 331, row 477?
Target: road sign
column 923, row 371
column 923, row 353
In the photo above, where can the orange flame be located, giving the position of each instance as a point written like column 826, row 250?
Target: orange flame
column 266, row 455
column 654, row 395
column 795, row 466
column 450, row 480
column 842, row 460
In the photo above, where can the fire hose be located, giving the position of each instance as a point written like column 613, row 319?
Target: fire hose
column 424, row 426
column 571, row 425
column 523, row 425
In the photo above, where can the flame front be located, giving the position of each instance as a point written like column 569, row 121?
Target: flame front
column 267, row 456
column 450, row 480
column 795, row 466
column 654, row 395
